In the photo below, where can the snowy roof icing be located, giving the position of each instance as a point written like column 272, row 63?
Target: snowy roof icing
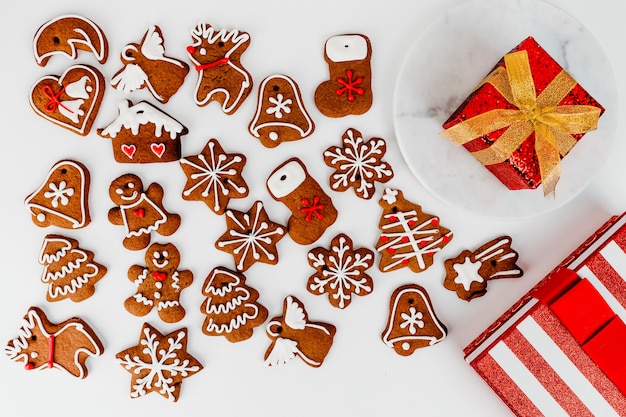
column 142, row 113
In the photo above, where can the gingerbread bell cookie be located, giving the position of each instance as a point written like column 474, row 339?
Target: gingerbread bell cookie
column 231, row 308
column 146, row 66
column 42, row 344
column 71, row 100
column 62, row 199
column 340, row 271
column 292, row 334
column 140, row 212
column 216, row 56
column 409, row 237
column 159, row 284
column 358, row 164
column 66, row 35
column 467, row 274
column 280, row 115
column 349, row 87
column 69, row 271
column 141, row 133
column 412, row 323
column 158, row 363
column 312, row 210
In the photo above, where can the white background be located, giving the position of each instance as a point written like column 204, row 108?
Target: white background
column 360, row 376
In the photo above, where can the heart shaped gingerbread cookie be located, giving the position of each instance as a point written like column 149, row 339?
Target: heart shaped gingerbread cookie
column 71, row 100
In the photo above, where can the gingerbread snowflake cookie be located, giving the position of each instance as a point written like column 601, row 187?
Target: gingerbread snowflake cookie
column 467, row 274
column 214, row 176
column 158, row 363
column 412, row 323
column 340, row 271
column 42, row 344
column 159, row 284
column 251, row 237
column 358, row 164
column 409, row 237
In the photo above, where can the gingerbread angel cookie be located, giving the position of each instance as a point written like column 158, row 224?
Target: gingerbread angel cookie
column 312, row 210
column 63, row 198
column 140, row 212
column 412, row 323
column 216, row 55
column 41, row 344
column 159, row 284
column 349, row 88
column 292, row 334
column 146, row 66
column 467, row 274
column 409, row 237
column 280, row 114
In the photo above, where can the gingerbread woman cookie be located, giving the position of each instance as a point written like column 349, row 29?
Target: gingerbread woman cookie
column 159, row 284
column 140, row 212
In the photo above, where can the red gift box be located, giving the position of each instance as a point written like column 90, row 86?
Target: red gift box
column 560, row 349
column 526, row 155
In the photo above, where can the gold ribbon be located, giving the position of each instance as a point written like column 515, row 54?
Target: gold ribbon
column 552, row 124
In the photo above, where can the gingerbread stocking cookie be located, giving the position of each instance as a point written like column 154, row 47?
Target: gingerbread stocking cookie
column 159, row 284
column 140, row 212
column 216, row 55
column 312, row 210
column 349, row 89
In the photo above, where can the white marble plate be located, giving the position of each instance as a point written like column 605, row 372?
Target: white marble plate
column 445, row 64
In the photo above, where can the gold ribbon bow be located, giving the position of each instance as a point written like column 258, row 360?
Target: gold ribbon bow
column 553, row 125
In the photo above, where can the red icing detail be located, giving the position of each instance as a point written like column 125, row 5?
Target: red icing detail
column 314, row 208
column 384, row 238
column 51, row 351
column 129, row 150
column 191, row 49
column 390, row 250
column 431, row 254
column 434, row 222
column 159, row 276
column 445, row 238
column 411, row 223
column 212, row 64
column 350, row 86
column 405, row 261
column 405, row 239
column 158, row 149
column 29, row 366
column 53, row 103
column 139, row 213
column 422, row 243
column 393, row 219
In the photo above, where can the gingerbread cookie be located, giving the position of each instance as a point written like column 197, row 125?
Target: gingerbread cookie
column 41, row 344
column 146, row 66
column 141, row 133
column 358, row 164
column 62, row 199
column 158, row 363
column 159, row 284
column 349, row 88
column 214, row 176
column 231, row 306
column 71, row 100
column 292, row 334
column 69, row 271
column 340, row 271
column 140, row 212
column 216, row 55
column 66, row 35
column 280, row 114
column 251, row 237
column 412, row 323
column 409, row 237
column 312, row 210
column 467, row 274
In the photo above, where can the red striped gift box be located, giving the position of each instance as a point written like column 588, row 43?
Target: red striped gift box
column 561, row 349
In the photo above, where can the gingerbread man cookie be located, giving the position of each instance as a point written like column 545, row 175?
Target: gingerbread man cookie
column 140, row 212
column 159, row 284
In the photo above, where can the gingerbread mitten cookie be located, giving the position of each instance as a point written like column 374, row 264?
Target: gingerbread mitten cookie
column 280, row 114
column 409, row 237
column 312, row 210
column 140, row 212
column 216, row 55
column 146, row 66
column 41, row 344
column 349, row 88
column 467, row 274
column 62, row 199
column 412, row 323
column 292, row 334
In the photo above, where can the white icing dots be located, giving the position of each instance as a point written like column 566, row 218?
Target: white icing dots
column 273, row 135
column 41, row 217
column 406, row 346
column 157, row 295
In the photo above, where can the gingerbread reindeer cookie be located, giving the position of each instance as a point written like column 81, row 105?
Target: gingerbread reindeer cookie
column 140, row 212
column 216, row 55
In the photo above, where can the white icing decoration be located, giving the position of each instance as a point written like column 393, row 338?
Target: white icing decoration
column 273, row 136
column 412, row 320
column 280, row 105
column 72, row 109
column 390, row 195
column 501, row 251
column 131, row 78
column 34, row 355
column 142, row 299
column 143, row 199
column 41, row 217
column 286, row 179
column 283, row 351
column 157, row 295
column 406, row 346
column 294, row 314
column 467, row 273
column 78, row 89
column 59, row 192
column 166, row 304
column 158, row 285
column 142, row 113
column 152, row 47
column 141, row 277
column 344, row 48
